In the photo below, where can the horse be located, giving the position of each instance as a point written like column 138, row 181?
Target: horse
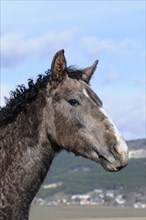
column 57, row 111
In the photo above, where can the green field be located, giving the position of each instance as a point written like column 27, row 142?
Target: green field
column 131, row 179
column 85, row 213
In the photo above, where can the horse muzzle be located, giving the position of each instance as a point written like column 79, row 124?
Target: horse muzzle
column 115, row 159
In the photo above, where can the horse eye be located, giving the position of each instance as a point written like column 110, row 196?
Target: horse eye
column 73, row 102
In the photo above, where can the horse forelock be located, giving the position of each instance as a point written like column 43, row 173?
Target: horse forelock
column 22, row 96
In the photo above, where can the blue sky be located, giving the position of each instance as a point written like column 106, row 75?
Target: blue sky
column 111, row 31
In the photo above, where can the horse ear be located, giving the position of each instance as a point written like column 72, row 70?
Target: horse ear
column 88, row 72
column 58, row 66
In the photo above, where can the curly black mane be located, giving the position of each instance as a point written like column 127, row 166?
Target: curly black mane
column 23, row 95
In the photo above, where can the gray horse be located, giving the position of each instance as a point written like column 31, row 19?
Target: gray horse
column 58, row 111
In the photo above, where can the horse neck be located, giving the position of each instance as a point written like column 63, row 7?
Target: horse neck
column 26, row 157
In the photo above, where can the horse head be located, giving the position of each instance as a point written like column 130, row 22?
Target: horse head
column 79, row 122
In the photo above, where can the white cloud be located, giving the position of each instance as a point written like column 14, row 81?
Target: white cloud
column 121, row 48
column 112, row 77
column 140, row 81
column 128, row 115
column 14, row 49
column 4, row 92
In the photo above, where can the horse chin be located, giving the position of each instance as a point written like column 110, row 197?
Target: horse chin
column 108, row 166
column 105, row 163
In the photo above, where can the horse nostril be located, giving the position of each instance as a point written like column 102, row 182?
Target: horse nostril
column 116, row 148
column 120, row 149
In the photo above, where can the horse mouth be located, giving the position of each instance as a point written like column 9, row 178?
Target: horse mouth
column 108, row 166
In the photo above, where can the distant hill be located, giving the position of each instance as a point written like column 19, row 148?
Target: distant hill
column 137, row 144
column 72, row 175
column 137, row 148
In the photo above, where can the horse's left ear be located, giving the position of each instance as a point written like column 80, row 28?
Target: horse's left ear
column 88, row 72
column 58, row 66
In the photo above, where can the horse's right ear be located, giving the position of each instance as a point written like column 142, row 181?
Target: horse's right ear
column 58, row 66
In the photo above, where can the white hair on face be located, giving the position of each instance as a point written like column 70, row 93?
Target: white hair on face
column 119, row 137
column 85, row 93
